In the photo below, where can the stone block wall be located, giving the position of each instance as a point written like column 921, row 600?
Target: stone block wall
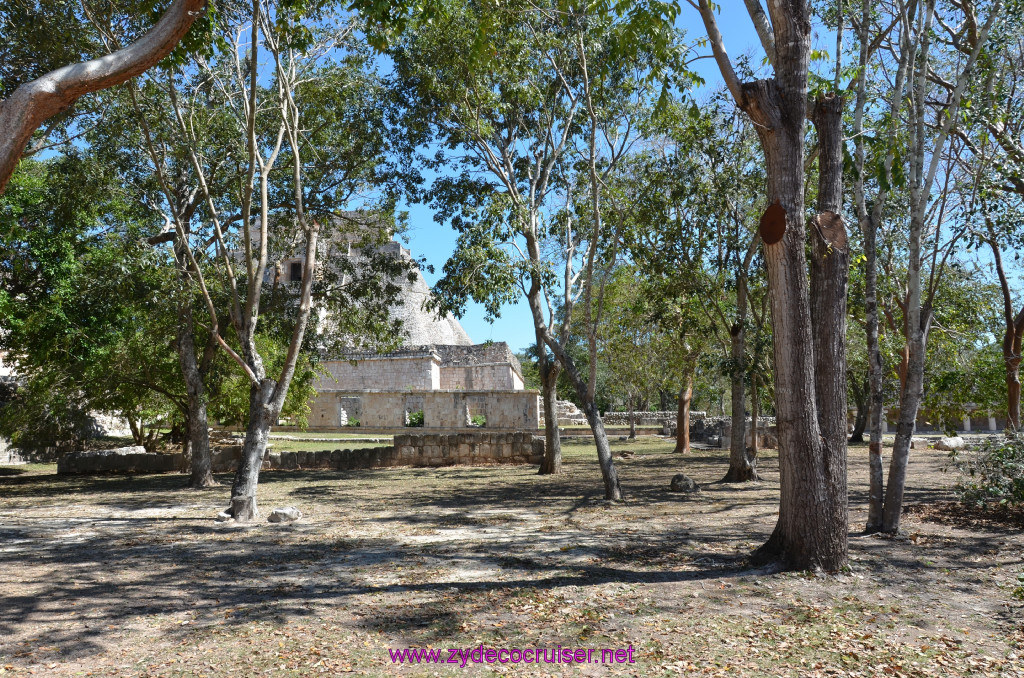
column 647, row 418
column 121, row 460
column 449, row 409
column 416, row 449
column 492, row 377
column 386, row 372
column 32, row 455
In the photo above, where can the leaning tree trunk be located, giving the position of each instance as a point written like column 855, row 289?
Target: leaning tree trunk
column 552, row 462
column 683, row 415
column 34, row 102
column 612, row 489
column 910, row 401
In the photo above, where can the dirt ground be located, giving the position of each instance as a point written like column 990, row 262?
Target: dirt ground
column 131, row 576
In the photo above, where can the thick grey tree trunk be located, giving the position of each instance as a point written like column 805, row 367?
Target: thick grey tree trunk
column 261, row 417
column 813, row 516
column 812, row 527
column 830, row 265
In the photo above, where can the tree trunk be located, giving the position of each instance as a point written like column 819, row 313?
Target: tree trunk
column 1011, row 354
column 755, row 414
column 876, row 480
column 869, row 223
column 683, row 415
column 632, row 419
column 136, row 429
column 910, row 401
column 261, row 417
column 198, row 427
column 812, row 526
column 1012, row 336
column 830, row 265
column 34, row 102
column 742, row 468
column 552, row 462
column 612, row 489
column 860, row 421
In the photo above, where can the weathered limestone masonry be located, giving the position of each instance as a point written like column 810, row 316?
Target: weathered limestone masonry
column 381, row 390
column 503, row 410
column 647, row 418
column 414, row 449
column 122, row 460
column 481, row 367
column 415, row 370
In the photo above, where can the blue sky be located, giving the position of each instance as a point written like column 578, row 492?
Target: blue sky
column 436, row 242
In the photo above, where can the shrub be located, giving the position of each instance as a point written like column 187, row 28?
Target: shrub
column 352, row 422
column 414, row 418
column 994, row 472
column 478, row 420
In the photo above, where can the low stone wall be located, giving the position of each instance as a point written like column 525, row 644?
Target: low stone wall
column 417, row 449
column 647, row 418
column 469, row 448
column 30, row 455
column 120, row 460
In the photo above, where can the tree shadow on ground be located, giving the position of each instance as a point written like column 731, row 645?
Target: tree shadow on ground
column 126, row 571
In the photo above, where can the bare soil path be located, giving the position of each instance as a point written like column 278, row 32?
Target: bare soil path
column 130, row 576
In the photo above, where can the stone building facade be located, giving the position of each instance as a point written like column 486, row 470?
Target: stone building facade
column 452, row 386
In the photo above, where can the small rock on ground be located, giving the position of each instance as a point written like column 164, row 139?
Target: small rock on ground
column 288, row 514
column 683, row 483
column 951, row 443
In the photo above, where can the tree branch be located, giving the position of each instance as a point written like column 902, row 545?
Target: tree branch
column 34, row 102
